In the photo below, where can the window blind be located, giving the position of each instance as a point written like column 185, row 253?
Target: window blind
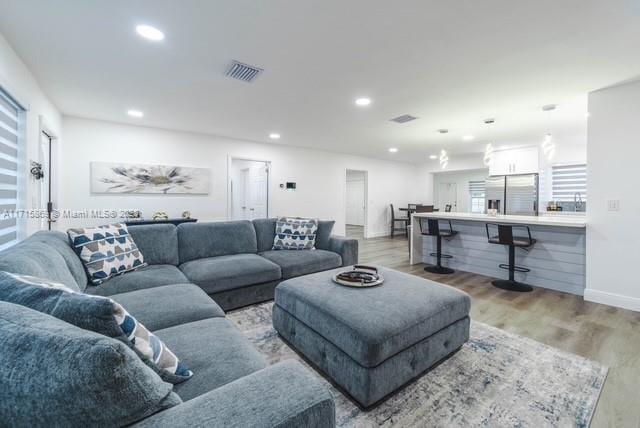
column 10, row 131
column 476, row 189
column 567, row 181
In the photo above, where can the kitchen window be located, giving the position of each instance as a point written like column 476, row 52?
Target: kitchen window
column 569, row 181
column 11, row 132
column 476, row 194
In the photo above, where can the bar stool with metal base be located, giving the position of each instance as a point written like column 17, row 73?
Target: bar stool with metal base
column 433, row 229
column 505, row 237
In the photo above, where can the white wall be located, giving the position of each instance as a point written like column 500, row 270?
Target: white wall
column 17, row 80
column 320, row 175
column 613, row 237
column 461, row 179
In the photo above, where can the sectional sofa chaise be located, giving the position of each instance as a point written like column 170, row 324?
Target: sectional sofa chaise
column 195, row 271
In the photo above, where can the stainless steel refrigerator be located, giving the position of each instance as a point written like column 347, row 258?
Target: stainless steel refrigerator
column 512, row 194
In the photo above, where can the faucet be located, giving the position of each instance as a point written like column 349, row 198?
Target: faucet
column 577, row 199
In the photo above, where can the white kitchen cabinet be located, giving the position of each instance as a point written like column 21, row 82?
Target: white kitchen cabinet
column 514, row 161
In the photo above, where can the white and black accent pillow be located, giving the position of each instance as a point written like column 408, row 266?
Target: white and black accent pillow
column 295, row 233
column 106, row 251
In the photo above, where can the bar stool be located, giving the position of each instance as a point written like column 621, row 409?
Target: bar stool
column 505, row 236
column 433, row 229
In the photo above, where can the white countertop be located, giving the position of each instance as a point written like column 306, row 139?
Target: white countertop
column 546, row 220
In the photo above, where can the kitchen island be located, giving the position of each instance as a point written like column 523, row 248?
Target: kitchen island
column 557, row 260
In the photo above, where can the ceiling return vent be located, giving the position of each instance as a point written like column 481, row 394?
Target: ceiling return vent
column 403, row 119
column 244, row 72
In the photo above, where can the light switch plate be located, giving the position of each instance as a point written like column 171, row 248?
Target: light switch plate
column 613, row 205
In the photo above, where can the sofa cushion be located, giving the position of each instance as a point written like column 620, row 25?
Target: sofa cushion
column 169, row 305
column 217, row 352
column 140, row 279
column 59, row 242
column 202, row 240
column 265, row 232
column 325, row 227
column 95, row 313
column 296, row 263
column 295, row 233
column 55, row 374
column 106, row 251
column 158, row 243
column 215, row 274
column 37, row 259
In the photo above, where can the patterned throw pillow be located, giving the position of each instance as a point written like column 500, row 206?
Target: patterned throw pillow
column 106, row 251
column 295, row 233
column 96, row 313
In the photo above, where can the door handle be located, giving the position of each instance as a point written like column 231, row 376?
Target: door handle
column 251, row 209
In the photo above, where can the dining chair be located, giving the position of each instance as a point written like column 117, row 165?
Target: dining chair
column 394, row 220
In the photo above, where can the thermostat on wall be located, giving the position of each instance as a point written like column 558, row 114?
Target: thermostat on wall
column 289, row 185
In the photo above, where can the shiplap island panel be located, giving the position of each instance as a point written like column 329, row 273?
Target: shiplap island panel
column 557, row 260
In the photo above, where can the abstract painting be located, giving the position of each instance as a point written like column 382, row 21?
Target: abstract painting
column 136, row 178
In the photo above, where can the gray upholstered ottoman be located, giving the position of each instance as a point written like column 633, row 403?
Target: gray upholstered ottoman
column 371, row 341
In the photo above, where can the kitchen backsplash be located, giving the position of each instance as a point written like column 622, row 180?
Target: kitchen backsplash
column 571, row 206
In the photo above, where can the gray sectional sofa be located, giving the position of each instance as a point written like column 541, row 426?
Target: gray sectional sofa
column 231, row 262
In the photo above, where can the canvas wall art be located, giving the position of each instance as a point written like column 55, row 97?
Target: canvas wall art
column 137, row 178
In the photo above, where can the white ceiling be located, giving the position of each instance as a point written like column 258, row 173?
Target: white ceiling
column 451, row 63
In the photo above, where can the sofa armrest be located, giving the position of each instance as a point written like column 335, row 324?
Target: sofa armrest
column 346, row 247
column 283, row 395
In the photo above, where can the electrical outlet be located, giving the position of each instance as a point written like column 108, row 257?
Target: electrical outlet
column 613, row 205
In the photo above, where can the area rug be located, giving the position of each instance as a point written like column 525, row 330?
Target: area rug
column 497, row 379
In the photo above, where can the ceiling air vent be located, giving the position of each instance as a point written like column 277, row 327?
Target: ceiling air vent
column 244, row 72
column 403, row 119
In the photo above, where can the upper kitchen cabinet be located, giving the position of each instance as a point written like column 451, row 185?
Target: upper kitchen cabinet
column 514, row 161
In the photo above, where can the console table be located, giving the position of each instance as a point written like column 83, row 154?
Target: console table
column 174, row 221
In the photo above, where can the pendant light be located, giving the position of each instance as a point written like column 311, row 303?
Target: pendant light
column 488, row 150
column 548, row 144
column 444, row 159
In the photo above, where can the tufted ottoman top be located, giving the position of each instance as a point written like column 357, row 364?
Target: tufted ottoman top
column 372, row 324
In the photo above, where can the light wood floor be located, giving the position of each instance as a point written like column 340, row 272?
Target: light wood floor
column 602, row 333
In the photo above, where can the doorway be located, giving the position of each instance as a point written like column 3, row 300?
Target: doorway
column 447, row 197
column 248, row 189
column 356, row 204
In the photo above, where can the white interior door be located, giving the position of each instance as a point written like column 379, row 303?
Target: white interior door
column 355, row 202
column 249, row 184
column 256, row 191
column 447, row 195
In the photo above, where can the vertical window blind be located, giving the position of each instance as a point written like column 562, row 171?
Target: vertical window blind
column 567, row 180
column 10, row 139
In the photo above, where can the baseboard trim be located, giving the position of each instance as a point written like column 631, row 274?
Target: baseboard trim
column 611, row 299
column 378, row 234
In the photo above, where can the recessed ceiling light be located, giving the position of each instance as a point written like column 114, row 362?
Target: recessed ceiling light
column 135, row 113
column 363, row 102
column 150, row 33
column 433, row 157
column 393, row 150
column 274, row 136
column 468, row 137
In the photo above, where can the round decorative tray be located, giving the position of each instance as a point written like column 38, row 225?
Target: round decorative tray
column 360, row 277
